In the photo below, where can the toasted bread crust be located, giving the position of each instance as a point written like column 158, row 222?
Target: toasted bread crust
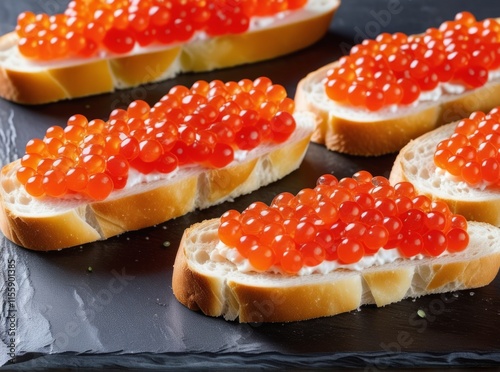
column 415, row 164
column 377, row 135
column 266, row 297
column 297, row 302
column 57, row 83
column 195, row 290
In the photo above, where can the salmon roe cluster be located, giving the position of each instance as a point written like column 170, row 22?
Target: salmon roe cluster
column 472, row 152
column 202, row 125
column 342, row 220
column 395, row 68
column 117, row 26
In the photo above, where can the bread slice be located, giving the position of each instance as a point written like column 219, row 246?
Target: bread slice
column 415, row 163
column 31, row 83
column 54, row 223
column 360, row 132
column 217, row 288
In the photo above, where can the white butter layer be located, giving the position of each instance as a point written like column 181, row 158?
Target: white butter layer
column 444, row 92
column 384, row 256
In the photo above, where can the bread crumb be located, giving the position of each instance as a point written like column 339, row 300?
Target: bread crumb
column 166, row 244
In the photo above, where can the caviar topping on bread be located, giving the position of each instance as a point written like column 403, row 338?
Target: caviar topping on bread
column 88, row 28
column 457, row 163
column 202, row 125
column 471, row 153
column 195, row 147
column 392, row 89
column 329, row 250
column 128, row 43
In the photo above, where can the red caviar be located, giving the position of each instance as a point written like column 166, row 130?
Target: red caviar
column 472, row 152
column 396, row 68
column 342, row 220
column 94, row 157
column 88, row 26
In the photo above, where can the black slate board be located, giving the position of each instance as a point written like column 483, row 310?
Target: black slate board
column 123, row 313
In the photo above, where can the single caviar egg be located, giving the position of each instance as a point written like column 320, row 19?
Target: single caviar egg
column 200, row 126
column 316, row 225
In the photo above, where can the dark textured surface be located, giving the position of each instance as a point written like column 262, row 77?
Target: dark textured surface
column 123, row 313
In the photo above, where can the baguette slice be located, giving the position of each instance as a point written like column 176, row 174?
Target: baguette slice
column 360, row 132
column 217, row 288
column 415, row 163
column 53, row 223
column 29, row 83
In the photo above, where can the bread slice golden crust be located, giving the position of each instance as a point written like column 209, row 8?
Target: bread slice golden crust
column 51, row 223
column 415, row 163
column 204, row 281
column 55, row 82
column 362, row 133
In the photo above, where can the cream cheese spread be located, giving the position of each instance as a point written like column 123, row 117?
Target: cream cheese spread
column 383, row 256
column 444, row 91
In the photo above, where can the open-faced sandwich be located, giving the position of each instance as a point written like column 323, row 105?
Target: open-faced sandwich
column 397, row 87
column 196, row 147
column 330, row 249
column 459, row 164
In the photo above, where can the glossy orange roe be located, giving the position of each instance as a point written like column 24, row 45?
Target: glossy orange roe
column 472, row 151
column 394, row 69
column 204, row 125
column 117, row 26
column 342, row 220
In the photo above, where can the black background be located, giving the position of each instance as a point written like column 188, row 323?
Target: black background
column 123, row 313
